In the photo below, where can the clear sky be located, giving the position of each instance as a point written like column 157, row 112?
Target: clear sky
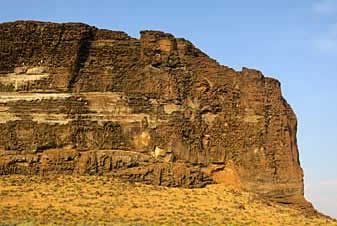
column 293, row 41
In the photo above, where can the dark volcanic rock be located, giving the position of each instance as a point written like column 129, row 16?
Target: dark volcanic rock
column 80, row 100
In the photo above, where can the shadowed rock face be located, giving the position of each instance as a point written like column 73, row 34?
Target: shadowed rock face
column 75, row 99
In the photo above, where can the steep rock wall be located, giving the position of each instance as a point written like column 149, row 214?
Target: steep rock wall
column 75, row 99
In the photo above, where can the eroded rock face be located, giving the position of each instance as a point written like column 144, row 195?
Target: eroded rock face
column 80, row 100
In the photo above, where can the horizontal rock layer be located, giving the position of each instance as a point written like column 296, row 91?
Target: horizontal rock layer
column 75, row 99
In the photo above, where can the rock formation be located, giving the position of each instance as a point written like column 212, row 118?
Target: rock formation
column 75, row 99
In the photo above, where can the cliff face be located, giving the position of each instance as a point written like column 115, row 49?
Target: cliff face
column 75, row 99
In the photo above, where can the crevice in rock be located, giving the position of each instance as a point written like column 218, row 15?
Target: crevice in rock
column 81, row 56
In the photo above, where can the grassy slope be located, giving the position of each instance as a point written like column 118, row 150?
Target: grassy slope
column 102, row 200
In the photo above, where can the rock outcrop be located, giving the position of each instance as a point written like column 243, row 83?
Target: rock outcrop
column 75, row 99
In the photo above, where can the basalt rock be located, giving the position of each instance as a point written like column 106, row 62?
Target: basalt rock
column 75, row 99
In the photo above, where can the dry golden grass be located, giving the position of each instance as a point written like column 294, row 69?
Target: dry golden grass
column 91, row 200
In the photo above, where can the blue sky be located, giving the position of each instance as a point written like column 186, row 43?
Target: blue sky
column 293, row 41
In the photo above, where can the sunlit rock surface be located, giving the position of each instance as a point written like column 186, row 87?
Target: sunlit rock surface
column 75, row 99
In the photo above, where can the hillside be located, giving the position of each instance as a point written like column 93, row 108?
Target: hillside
column 92, row 200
